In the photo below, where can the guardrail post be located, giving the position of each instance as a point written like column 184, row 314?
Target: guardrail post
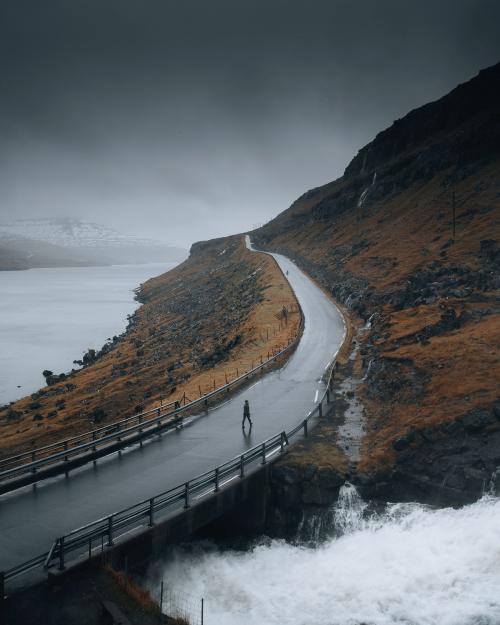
column 305, row 427
column 186, row 495
column 33, row 456
column 217, row 480
column 151, row 511
column 242, row 466
column 2, row 591
column 61, row 554
column 263, row 453
column 282, row 443
column 110, row 531
column 320, row 409
column 65, row 449
column 327, row 395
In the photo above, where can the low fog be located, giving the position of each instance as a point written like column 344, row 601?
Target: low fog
column 183, row 121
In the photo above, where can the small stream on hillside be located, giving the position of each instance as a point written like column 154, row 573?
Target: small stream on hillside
column 407, row 564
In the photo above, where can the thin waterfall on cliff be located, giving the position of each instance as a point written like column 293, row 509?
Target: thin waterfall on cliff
column 364, row 195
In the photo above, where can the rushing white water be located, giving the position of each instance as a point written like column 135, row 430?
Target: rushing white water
column 411, row 565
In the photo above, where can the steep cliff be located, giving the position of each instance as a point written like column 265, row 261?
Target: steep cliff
column 407, row 238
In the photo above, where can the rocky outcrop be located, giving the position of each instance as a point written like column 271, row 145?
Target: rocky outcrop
column 407, row 240
column 297, row 491
column 453, row 463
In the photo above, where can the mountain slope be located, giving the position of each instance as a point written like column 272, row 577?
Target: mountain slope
column 19, row 252
column 407, row 238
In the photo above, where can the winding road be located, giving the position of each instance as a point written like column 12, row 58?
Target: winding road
column 32, row 517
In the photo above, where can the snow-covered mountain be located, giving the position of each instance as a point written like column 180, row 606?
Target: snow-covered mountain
column 71, row 241
column 71, row 233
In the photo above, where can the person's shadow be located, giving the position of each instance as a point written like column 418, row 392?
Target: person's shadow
column 248, row 436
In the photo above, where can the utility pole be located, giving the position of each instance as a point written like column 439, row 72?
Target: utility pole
column 453, row 208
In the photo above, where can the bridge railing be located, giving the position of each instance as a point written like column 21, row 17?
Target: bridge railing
column 145, row 424
column 89, row 539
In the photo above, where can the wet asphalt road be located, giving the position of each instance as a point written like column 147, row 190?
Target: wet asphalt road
column 32, row 517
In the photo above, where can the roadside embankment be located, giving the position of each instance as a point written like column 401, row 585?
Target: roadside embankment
column 407, row 239
column 200, row 325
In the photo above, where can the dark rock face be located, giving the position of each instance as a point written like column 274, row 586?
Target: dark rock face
column 296, row 490
column 389, row 377
column 421, row 131
column 450, row 464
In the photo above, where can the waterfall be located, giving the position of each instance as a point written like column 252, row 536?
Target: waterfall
column 348, row 511
column 364, row 195
column 343, row 517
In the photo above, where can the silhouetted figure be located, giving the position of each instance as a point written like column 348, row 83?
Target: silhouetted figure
column 246, row 414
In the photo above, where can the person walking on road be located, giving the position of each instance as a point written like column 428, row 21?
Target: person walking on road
column 246, row 414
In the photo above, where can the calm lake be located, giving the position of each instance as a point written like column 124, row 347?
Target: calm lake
column 50, row 317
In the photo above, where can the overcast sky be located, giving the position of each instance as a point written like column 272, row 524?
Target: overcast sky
column 188, row 119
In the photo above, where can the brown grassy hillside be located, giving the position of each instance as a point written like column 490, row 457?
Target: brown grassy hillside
column 203, row 322
column 382, row 240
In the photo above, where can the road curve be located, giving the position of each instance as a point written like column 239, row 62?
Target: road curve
column 32, row 517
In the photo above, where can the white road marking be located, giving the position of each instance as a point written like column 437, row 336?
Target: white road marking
column 316, row 396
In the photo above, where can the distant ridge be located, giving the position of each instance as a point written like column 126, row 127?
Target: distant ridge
column 45, row 242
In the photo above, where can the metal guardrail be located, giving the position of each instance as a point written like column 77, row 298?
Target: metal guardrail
column 104, row 531
column 95, row 536
column 146, row 423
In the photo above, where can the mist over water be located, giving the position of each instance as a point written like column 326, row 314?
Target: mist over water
column 410, row 565
column 50, row 317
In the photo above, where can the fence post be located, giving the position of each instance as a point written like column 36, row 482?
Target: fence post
column 61, row 553
column 151, row 511
column 186, row 495
column 242, row 466
column 263, row 453
column 110, row 531
column 217, row 480
column 305, row 427
column 2, row 598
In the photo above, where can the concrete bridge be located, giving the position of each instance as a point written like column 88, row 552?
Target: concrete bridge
column 147, row 497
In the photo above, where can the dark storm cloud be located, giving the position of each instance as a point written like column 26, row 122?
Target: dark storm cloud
column 185, row 120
